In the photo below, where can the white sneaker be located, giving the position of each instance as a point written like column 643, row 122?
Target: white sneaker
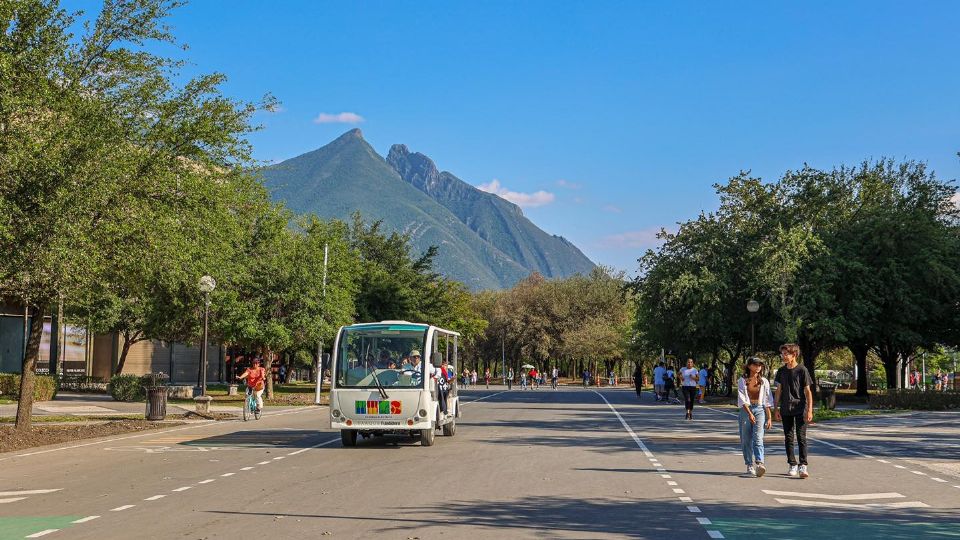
column 761, row 470
column 794, row 471
column 751, row 470
column 803, row 471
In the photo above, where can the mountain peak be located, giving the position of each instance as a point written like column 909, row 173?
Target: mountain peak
column 415, row 168
column 354, row 133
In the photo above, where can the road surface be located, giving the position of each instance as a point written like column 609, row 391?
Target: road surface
column 572, row 463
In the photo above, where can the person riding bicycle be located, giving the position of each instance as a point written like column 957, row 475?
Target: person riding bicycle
column 255, row 376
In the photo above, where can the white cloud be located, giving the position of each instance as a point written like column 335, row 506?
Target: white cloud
column 568, row 184
column 338, row 118
column 523, row 200
column 642, row 239
column 612, row 209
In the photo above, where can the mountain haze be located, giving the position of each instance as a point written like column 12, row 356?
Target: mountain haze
column 482, row 242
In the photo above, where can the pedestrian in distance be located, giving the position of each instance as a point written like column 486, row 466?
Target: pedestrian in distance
column 704, row 377
column 586, row 378
column 638, row 380
column 755, row 401
column 554, row 377
column 670, row 384
column 689, row 376
column 793, row 405
column 486, row 377
column 658, row 373
column 510, row 379
column 473, row 378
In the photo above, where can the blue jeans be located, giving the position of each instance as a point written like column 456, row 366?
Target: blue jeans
column 751, row 435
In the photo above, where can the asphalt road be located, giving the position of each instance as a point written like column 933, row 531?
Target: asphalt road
column 545, row 464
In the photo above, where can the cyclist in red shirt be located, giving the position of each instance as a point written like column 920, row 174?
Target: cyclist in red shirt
column 255, row 376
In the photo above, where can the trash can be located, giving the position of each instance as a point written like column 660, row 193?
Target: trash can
column 156, row 403
column 828, row 394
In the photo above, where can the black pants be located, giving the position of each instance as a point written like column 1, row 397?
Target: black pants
column 442, row 393
column 689, row 397
column 795, row 425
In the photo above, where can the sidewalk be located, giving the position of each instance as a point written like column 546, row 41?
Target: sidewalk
column 75, row 404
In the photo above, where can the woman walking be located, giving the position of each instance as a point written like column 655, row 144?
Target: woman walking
column 755, row 401
column 689, row 377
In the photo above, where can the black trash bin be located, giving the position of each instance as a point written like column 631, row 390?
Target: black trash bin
column 828, row 394
column 156, row 403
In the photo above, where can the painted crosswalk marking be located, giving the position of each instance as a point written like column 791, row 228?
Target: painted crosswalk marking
column 835, row 504
column 853, row 497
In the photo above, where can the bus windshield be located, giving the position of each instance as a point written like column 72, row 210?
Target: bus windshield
column 381, row 353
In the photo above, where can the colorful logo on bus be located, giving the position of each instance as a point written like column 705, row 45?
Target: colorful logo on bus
column 378, row 407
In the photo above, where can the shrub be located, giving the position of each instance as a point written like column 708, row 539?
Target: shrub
column 916, row 400
column 44, row 386
column 126, row 388
column 83, row 383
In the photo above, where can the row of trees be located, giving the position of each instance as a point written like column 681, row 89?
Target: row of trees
column 576, row 323
column 865, row 258
column 121, row 187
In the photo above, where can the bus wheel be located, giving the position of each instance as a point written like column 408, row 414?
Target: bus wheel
column 348, row 437
column 450, row 428
column 427, row 436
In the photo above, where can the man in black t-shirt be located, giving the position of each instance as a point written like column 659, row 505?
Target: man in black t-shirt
column 793, row 404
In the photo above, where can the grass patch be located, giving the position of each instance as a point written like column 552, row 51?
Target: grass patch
column 7, row 401
column 53, row 418
column 826, row 414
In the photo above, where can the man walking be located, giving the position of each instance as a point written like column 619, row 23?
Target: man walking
column 793, row 405
column 658, row 381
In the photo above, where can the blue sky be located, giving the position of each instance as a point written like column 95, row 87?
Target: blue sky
column 623, row 114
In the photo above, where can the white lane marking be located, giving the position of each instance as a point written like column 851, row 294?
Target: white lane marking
column 715, row 534
column 207, row 481
column 665, row 476
column 654, row 460
column 263, row 463
column 704, row 521
column 919, row 472
column 278, row 458
column 854, row 497
column 302, row 450
column 686, row 499
column 184, row 488
column 122, row 508
column 28, row 492
column 678, row 490
column 227, row 474
column 11, row 499
column 155, row 498
column 831, row 504
column 152, row 433
column 84, row 520
column 900, row 466
column 671, row 483
column 693, row 509
column 245, row 468
column 623, row 422
column 883, row 461
column 484, row 397
column 42, row 533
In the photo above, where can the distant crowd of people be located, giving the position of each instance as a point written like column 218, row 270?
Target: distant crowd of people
column 939, row 381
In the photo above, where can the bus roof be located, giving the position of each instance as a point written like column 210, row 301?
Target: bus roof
column 402, row 325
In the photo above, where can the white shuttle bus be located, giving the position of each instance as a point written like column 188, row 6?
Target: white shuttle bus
column 386, row 381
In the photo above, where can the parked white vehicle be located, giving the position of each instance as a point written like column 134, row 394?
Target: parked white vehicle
column 387, row 380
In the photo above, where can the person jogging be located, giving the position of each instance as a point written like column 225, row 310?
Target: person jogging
column 670, row 384
column 688, row 380
column 658, row 373
column 755, row 401
column 793, row 405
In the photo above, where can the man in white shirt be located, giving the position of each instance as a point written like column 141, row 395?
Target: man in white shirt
column 658, row 380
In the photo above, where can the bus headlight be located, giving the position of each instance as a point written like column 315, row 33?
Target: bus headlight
column 336, row 413
column 423, row 413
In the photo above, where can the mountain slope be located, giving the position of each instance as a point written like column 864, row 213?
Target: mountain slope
column 494, row 219
column 348, row 175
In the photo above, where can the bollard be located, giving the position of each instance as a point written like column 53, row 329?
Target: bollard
column 203, row 404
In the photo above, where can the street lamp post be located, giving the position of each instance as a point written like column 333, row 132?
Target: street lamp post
column 207, row 284
column 753, row 307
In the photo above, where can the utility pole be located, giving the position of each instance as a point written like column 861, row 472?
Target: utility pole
column 326, row 254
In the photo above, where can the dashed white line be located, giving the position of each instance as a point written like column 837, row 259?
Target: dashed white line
column 900, row 466
column 227, row 474
column 715, row 534
column 665, row 476
column 155, row 498
column 704, row 521
column 263, row 463
column 11, row 499
column 883, row 461
column 207, row 481
column 245, row 468
column 184, row 488
column 278, row 458
column 678, row 490
column 122, row 508
column 84, row 520
column 686, row 499
column 941, row 480
column 42, row 533
column 921, row 473
column 671, row 483
column 693, row 509
column 28, row 492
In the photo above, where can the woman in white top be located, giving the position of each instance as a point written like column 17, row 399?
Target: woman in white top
column 689, row 375
column 755, row 400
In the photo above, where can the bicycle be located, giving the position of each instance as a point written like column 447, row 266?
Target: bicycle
column 250, row 405
column 718, row 386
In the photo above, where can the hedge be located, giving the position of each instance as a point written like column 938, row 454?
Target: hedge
column 916, row 400
column 44, row 386
column 126, row 388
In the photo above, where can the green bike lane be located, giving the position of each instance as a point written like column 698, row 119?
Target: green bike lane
column 52, row 490
column 863, row 484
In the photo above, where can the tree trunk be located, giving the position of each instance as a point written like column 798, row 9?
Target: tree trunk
column 127, row 343
column 888, row 355
column 268, row 366
column 810, row 354
column 860, row 353
column 25, row 402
